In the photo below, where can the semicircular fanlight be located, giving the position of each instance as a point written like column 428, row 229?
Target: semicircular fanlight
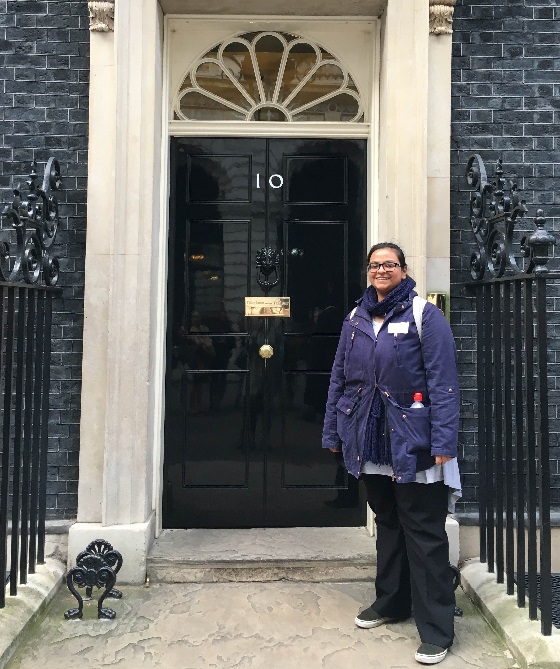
column 268, row 76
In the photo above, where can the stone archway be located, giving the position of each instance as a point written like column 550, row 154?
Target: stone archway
column 123, row 366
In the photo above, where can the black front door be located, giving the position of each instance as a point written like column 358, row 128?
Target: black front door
column 243, row 432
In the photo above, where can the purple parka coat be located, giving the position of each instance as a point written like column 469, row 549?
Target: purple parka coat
column 400, row 365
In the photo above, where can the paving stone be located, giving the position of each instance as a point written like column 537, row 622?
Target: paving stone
column 250, row 625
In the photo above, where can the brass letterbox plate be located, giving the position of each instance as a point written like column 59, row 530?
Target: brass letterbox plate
column 267, row 306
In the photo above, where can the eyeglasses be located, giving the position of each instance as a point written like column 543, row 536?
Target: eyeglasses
column 388, row 266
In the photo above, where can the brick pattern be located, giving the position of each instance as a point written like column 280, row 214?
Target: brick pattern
column 44, row 56
column 505, row 104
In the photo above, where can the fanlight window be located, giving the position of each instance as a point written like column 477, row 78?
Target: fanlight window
column 268, row 76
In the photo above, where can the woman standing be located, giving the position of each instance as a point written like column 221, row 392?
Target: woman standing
column 405, row 456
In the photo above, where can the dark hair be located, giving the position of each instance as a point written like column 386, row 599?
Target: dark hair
column 389, row 245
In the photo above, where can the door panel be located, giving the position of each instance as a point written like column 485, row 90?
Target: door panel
column 316, row 179
column 219, row 178
column 243, row 434
column 217, row 266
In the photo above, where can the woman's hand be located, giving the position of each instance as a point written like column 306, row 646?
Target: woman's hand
column 442, row 459
column 334, row 450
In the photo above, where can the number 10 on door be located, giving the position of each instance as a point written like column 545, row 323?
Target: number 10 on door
column 274, row 181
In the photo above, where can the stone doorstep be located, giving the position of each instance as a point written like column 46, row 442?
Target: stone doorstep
column 310, row 554
column 309, row 572
column 523, row 636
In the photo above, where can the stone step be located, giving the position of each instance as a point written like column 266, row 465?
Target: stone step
column 312, row 554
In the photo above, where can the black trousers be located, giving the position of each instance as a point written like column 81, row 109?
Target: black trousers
column 413, row 555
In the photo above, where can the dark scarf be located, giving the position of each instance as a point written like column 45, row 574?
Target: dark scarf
column 377, row 446
column 400, row 293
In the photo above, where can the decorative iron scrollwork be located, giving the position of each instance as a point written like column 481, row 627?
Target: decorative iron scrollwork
column 494, row 211
column 111, row 557
column 267, row 264
column 456, row 583
column 97, row 566
column 35, row 221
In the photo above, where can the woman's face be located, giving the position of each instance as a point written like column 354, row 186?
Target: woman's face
column 384, row 280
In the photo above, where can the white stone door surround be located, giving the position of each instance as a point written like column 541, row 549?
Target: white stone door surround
column 121, row 440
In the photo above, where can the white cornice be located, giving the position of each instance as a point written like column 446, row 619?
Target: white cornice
column 268, row 129
column 256, row 8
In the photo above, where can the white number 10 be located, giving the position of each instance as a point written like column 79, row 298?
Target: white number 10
column 279, row 181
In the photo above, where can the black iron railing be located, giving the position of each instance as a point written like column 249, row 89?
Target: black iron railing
column 25, row 326
column 512, row 375
column 28, row 274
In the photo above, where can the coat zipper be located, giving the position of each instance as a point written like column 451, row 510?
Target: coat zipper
column 356, row 418
column 386, row 436
column 397, row 349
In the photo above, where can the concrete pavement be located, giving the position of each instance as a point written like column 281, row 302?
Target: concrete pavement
column 270, row 625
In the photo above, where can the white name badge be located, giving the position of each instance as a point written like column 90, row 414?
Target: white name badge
column 398, row 328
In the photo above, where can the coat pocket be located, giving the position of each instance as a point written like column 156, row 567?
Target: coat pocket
column 409, row 428
column 346, row 419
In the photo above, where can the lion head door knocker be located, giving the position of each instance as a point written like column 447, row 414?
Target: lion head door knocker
column 267, row 264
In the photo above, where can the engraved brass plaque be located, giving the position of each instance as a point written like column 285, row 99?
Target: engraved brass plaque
column 267, row 306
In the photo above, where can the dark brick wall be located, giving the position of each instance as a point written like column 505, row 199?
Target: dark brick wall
column 44, row 69
column 505, row 104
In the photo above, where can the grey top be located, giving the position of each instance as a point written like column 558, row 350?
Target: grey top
column 448, row 473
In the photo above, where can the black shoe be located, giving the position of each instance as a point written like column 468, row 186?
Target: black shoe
column 368, row 619
column 429, row 653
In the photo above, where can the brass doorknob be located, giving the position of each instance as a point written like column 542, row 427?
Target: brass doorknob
column 266, row 351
